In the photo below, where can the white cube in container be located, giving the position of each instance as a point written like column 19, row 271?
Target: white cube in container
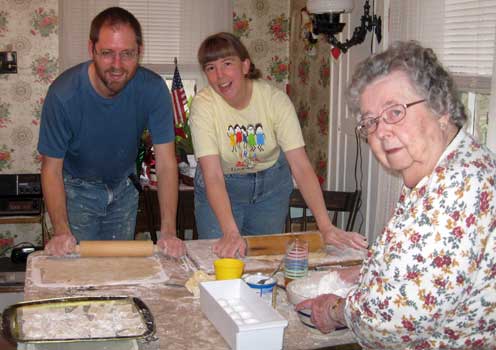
column 241, row 316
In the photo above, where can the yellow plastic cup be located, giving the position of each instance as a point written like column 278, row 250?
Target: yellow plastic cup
column 228, row 269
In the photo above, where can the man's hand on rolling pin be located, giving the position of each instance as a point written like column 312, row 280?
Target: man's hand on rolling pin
column 171, row 245
column 229, row 245
column 342, row 239
column 61, row 244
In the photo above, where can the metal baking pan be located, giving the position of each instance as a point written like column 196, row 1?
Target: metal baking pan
column 78, row 319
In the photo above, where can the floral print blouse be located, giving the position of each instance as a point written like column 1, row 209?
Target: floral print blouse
column 429, row 280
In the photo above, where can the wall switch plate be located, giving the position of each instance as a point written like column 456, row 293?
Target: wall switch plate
column 8, row 62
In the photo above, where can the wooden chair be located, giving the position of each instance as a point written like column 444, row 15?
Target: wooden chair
column 336, row 201
column 148, row 217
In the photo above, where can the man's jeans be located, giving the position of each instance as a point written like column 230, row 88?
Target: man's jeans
column 259, row 201
column 99, row 211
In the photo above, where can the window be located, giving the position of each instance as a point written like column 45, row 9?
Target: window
column 468, row 37
column 463, row 34
column 477, row 108
column 468, row 48
column 171, row 28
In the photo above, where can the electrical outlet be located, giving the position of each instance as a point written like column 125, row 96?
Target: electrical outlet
column 8, row 62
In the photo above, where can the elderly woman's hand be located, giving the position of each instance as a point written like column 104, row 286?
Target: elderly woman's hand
column 342, row 239
column 327, row 311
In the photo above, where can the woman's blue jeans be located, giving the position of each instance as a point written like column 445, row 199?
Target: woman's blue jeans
column 100, row 211
column 259, row 201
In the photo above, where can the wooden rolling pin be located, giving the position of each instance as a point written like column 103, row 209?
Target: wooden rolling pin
column 277, row 244
column 255, row 245
column 116, row 248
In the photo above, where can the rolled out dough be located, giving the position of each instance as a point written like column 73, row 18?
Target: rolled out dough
column 92, row 271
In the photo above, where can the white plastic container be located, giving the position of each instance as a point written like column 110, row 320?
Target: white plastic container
column 241, row 316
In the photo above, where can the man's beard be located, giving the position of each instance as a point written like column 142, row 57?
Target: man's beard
column 113, row 86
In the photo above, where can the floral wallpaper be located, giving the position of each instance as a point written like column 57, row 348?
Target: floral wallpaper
column 309, row 80
column 264, row 28
column 273, row 32
column 28, row 27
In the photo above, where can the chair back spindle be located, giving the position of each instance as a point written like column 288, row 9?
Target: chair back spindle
column 335, row 201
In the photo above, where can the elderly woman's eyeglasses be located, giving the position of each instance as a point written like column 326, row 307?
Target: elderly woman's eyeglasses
column 125, row 56
column 391, row 115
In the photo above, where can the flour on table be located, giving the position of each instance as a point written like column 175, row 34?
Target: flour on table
column 91, row 271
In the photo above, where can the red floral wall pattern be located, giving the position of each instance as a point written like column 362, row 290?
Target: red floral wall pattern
column 324, row 72
column 323, row 120
column 37, row 107
column 272, row 32
column 241, row 25
column 44, row 22
column 321, row 168
column 44, row 68
column 303, row 112
column 278, row 70
column 29, row 27
column 309, row 78
column 264, row 27
column 279, row 28
column 5, row 114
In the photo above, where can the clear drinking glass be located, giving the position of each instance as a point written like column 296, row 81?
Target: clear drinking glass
column 295, row 260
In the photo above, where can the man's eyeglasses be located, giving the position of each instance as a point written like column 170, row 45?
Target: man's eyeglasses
column 125, row 56
column 391, row 115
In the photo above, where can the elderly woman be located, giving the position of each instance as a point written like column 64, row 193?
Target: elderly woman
column 429, row 281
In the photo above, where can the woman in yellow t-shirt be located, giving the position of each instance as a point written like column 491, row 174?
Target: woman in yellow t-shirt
column 240, row 125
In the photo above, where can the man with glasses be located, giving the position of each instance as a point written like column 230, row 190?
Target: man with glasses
column 92, row 121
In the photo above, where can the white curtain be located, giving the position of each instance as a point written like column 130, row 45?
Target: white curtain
column 171, row 28
column 420, row 20
column 491, row 134
column 200, row 19
column 75, row 19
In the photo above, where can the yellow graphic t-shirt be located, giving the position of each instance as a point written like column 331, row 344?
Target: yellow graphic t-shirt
column 247, row 140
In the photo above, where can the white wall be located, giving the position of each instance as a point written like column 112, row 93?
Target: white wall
column 342, row 145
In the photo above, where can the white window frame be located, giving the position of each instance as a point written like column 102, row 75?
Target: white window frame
column 425, row 21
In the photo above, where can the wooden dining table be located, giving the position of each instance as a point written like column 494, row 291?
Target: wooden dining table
column 180, row 323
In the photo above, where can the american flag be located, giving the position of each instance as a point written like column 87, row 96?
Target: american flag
column 178, row 98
